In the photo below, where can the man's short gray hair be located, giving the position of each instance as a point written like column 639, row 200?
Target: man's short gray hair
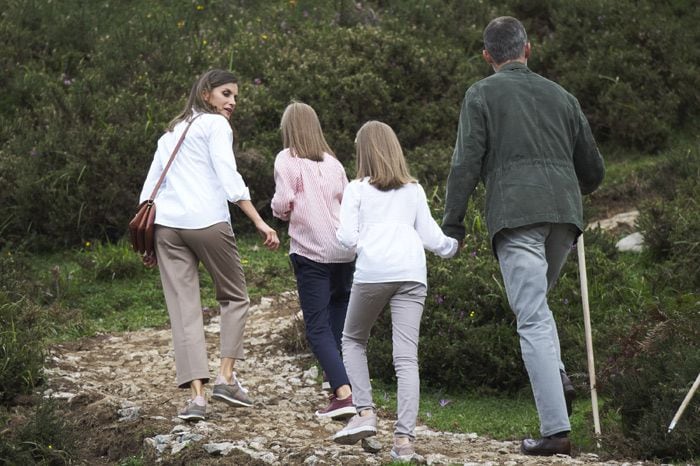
column 504, row 39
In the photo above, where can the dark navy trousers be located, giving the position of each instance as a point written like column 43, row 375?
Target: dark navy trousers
column 324, row 292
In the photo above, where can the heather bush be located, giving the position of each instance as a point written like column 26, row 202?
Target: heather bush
column 22, row 330
column 671, row 225
column 652, row 360
column 631, row 64
column 647, row 381
column 44, row 437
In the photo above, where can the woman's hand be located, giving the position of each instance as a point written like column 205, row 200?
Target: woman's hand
column 270, row 239
column 149, row 260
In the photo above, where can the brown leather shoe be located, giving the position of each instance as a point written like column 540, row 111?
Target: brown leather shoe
column 569, row 392
column 546, row 446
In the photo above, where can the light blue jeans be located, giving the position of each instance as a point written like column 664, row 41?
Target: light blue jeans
column 367, row 301
column 531, row 258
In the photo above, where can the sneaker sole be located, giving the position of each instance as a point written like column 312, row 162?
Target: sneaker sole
column 355, row 435
column 231, row 401
column 404, row 458
column 191, row 417
column 339, row 414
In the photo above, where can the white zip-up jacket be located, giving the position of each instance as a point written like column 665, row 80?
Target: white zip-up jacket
column 390, row 230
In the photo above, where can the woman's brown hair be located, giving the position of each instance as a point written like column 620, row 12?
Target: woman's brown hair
column 196, row 101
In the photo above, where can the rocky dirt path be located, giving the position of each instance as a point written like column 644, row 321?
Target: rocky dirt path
column 119, row 391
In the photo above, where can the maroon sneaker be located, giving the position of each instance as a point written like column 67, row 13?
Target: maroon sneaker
column 338, row 409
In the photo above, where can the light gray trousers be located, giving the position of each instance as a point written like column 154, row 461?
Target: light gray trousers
column 179, row 252
column 367, row 300
column 531, row 258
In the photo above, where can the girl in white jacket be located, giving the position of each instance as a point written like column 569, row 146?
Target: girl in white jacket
column 385, row 218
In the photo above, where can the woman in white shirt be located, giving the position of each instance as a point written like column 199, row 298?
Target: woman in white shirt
column 385, row 217
column 193, row 224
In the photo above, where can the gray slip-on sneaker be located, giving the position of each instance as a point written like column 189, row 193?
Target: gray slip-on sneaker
column 232, row 394
column 193, row 412
column 358, row 427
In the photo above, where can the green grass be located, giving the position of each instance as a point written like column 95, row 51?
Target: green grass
column 495, row 416
column 105, row 288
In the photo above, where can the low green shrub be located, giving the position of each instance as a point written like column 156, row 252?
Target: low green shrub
column 671, row 224
column 625, row 62
column 646, row 382
column 14, row 274
column 43, row 438
column 110, row 261
column 23, row 328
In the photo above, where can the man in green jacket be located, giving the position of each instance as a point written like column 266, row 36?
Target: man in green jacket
column 529, row 142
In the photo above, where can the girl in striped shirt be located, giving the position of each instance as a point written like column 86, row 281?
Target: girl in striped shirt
column 309, row 184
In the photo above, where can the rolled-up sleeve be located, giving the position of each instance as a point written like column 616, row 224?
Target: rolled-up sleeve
column 283, row 199
column 224, row 161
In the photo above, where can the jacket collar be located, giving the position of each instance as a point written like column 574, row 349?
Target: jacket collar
column 512, row 66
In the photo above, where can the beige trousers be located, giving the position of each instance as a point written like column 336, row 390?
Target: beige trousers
column 179, row 252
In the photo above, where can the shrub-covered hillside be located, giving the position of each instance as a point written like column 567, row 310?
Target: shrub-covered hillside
column 89, row 86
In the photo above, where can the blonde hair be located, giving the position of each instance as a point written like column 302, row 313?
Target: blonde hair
column 302, row 134
column 379, row 157
column 205, row 83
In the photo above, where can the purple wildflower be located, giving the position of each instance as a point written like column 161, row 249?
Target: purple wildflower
column 443, row 402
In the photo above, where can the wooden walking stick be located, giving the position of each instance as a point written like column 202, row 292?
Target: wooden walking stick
column 686, row 400
column 587, row 331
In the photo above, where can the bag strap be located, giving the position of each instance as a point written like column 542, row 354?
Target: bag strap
column 172, row 157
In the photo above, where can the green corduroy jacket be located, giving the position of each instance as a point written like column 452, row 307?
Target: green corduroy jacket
column 529, row 142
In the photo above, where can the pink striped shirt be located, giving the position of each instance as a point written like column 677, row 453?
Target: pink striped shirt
column 308, row 195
